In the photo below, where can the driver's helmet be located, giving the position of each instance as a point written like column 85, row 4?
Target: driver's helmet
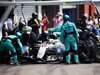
column 51, row 41
column 65, row 17
column 26, row 29
column 18, row 34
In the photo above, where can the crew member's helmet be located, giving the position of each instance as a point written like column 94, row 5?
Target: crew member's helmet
column 89, row 27
column 65, row 17
column 84, row 16
column 34, row 15
column 26, row 29
column 18, row 34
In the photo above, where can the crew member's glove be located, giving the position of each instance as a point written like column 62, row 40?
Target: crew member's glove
column 77, row 40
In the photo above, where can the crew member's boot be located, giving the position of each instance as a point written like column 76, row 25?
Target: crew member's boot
column 68, row 59
column 15, row 60
column 76, row 59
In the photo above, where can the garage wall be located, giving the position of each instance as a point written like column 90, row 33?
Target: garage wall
column 27, row 10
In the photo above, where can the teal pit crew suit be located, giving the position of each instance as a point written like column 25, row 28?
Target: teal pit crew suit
column 68, row 37
column 6, row 43
column 58, row 31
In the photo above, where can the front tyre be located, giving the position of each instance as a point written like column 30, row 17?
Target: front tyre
column 96, row 54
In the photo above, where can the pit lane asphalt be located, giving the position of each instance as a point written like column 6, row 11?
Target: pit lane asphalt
column 51, row 69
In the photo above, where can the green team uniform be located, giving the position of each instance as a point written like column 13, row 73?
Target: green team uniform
column 69, row 38
column 6, row 43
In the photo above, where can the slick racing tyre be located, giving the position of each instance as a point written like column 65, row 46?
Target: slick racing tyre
column 96, row 54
